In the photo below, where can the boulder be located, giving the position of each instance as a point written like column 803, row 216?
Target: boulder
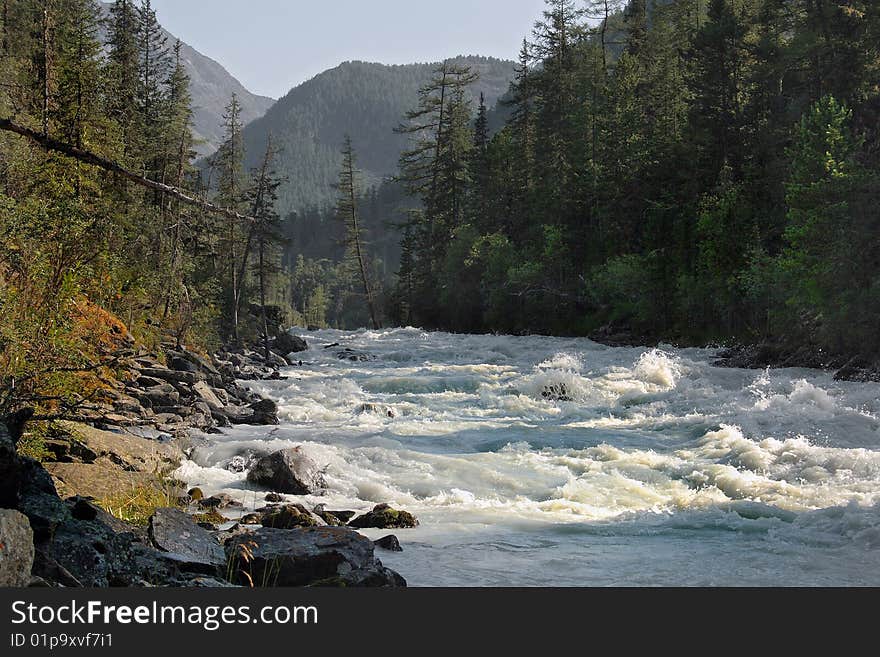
column 288, row 517
column 333, row 518
column 288, row 471
column 208, row 395
column 16, row 549
column 274, row 497
column 315, row 556
column 384, row 517
column 174, row 532
column 389, row 543
column 287, row 343
column 381, row 410
column 265, row 412
column 9, row 470
column 355, row 356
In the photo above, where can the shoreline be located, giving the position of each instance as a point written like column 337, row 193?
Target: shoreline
column 120, row 454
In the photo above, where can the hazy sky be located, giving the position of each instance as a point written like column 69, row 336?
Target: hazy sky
column 273, row 45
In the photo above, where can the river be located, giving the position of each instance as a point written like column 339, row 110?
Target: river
column 654, row 467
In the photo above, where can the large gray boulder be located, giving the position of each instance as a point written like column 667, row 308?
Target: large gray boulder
column 192, row 547
column 316, row 556
column 16, row 549
column 289, row 471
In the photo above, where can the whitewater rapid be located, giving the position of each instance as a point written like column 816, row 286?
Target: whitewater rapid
column 654, row 467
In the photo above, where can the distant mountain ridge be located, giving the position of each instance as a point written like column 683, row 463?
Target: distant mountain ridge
column 364, row 100
column 211, row 87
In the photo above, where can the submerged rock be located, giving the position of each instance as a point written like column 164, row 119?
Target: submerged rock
column 355, row 356
column 384, row 517
column 371, row 408
column 389, row 543
column 556, row 392
column 288, row 471
column 318, row 556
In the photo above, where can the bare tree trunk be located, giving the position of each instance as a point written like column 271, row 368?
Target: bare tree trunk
column 45, row 64
column 356, row 234
column 87, row 157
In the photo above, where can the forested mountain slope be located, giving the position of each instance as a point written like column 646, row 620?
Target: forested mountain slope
column 364, row 100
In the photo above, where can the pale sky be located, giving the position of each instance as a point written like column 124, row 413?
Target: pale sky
column 273, row 45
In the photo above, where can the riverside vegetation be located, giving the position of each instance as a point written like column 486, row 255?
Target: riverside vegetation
column 689, row 170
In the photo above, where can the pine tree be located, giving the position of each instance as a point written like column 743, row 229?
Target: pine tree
column 230, row 193
column 122, row 72
column 347, row 211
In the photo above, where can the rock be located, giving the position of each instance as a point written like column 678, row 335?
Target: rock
column 252, row 519
column 100, row 480
column 384, row 517
column 195, row 494
column 288, row 471
column 355, row 356
column 316, row 556
column 174, row 532
column 10, row 467
column 244, row 461
column 333, row 518
column 274, row 497
column 287, row 343
column 163, row 395
column 859, row 371
column 371, row 408
column 556, row 392
column 265, row 412
column 182, row 364
column 16, row 549
column 289, row 517
column 206, row 394
column 389, row 543
column 221, row 501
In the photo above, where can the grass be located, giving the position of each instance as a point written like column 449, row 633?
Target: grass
column 137, row 505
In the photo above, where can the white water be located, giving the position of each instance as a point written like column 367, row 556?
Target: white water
column 661, row 470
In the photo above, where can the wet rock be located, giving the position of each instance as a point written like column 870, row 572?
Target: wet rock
column 265, row 412
column 355, row 356
column 288, row 517
column 384, row 517
column 859, row 371
column 333, row 518
column 16, row 549
column 556, row 392
column 243, row 462
column 286, row 344
column 389, row 543
column 371, row 408
column 221, row 501
column 174, row 532
column 252, row 519
column 318, row 556
column 196, row 494
column 274, row 497
column 288, row 471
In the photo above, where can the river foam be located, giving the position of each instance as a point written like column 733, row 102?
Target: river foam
column 554, row 461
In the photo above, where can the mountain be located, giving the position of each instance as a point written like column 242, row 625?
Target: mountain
column 211, row 87
column 364, row 100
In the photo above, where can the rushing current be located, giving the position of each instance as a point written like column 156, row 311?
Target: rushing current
column 537, row 461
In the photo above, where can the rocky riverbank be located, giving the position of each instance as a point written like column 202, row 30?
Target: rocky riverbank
column 117, row 454
column 759, row 355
